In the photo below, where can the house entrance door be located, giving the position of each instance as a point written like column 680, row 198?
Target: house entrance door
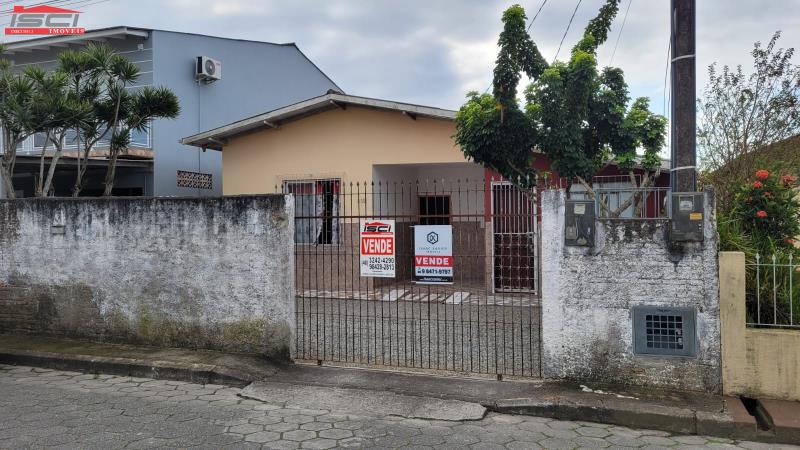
column 515, row 239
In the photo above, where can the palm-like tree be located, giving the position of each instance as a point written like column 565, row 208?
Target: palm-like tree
column 16, row 119
column 81, row 67
column 89, row 95
column 57, row 110
column 126, row 111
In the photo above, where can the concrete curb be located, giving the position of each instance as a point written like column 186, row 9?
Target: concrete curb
column 133, row 367
column 622, row 412
column 647, row 416
column 732, row 422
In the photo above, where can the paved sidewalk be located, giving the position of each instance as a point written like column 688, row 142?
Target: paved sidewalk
column 59, row 409
column 669, row 411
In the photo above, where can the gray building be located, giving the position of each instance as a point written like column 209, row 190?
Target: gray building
column 255, row 77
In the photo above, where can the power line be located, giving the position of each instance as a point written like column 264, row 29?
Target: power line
column 527, row 30
column 536, row 15
column 567, row 30
column 619, row 35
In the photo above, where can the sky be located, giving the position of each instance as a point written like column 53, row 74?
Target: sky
column 433, row 52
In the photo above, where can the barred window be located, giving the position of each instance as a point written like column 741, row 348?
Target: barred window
column 195, row 180
column 317, row 210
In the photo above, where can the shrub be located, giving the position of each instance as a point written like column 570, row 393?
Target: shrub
column 763, row 223
column 766, row 210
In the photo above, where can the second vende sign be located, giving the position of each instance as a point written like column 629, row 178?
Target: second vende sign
column 433, row 254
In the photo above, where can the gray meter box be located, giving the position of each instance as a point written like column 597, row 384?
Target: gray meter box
column 688, row 214
column 579, row 223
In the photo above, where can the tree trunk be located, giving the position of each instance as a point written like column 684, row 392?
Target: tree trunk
column 8, row 186
column 593, row 196
column 78, row 187
column 51, row 172
column 7, row 160
column 83, row 160
column 112, row 162
column 39, row 192
column 648, row 180
column 110, row 173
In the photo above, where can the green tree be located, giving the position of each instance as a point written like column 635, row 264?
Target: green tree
column 16, row 119
column 57, row 110
column 85, row 80
column 578, row 117
column 131, row 111
column 741, row 113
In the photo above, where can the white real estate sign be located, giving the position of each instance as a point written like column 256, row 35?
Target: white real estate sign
column 376, row 247
column 433, row 254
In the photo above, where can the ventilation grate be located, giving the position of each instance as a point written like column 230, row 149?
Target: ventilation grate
column 195, row 180
column 664, row 331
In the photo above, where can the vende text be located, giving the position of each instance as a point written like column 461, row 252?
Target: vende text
column 377, row 246
column 433, row 261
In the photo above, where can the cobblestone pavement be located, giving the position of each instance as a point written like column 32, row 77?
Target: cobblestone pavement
column 45, row 408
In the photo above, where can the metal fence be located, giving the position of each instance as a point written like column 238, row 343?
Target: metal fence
column 486, row 321
column 771, row 292
column 649, row 203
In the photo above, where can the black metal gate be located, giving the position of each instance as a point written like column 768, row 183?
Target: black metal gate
column 487, row 321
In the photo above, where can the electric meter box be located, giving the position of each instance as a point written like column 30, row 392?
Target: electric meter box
column 688, row 216
column 579, row 223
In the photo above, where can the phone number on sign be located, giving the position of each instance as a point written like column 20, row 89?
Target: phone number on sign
column 431, row 271
column 381, row 264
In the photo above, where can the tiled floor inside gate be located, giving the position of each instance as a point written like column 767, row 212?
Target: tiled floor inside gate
column 448, row 297
column 464, row 338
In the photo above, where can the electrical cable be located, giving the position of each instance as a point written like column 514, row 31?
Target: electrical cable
column 536, row 15
column 567, row 30
column 527, row 29
column 619, row 35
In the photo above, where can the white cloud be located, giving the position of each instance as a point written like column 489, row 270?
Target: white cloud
column 433, row 52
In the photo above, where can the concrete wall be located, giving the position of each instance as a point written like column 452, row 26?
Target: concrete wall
column 201, row 273
column 588, row 293
column 756, row 363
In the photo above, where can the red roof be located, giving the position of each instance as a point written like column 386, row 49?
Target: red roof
column 43, row 9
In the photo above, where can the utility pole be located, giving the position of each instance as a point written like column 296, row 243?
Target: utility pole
column 683, row 68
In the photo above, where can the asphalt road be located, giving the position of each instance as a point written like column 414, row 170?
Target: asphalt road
column 42, row 408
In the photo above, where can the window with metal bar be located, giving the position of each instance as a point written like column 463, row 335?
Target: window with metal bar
column 434, row 210
column 317, row 210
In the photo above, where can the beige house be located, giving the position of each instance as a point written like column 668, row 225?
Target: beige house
column 352, row 161
column 349, row 159
column 336, row 137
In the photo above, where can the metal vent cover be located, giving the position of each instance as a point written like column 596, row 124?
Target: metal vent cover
column 664, row 331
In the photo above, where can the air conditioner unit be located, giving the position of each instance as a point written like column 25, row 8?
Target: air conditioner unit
column 208, row 70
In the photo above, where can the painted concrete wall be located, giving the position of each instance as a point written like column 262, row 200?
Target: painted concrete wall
column 759, row 363
column 256, row 77
column 342, row 144
column 588, row 293
column 200, row 273
column 462, row 182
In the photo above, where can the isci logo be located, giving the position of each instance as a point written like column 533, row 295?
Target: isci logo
column 377, row 228
column 44, row 19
